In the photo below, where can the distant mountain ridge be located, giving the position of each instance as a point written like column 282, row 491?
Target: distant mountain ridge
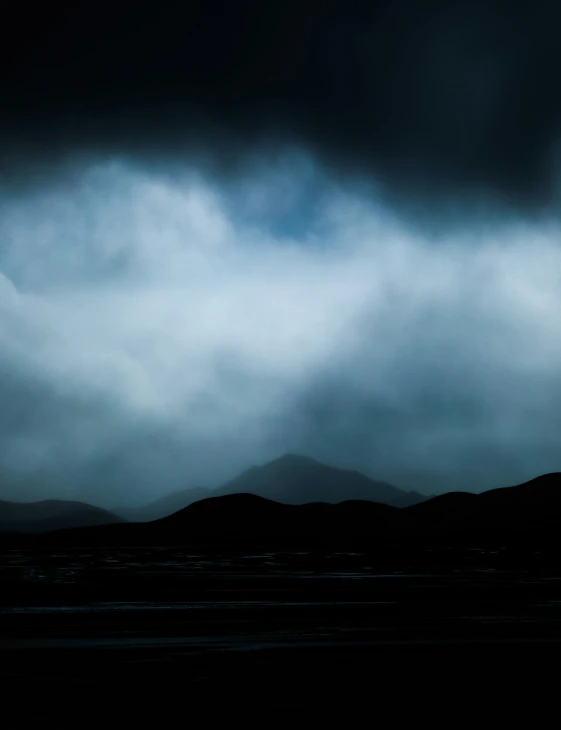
column 290, row 479
column 52, row 514
column 526, row 512
column 529, row 511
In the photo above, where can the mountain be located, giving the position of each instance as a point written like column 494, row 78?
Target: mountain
column 51, row 514
column 529, row 513
column 248, row 515
column 530, row 507
column 294, row 479
column 291, row 479
column 163, row 507
column 241, row 518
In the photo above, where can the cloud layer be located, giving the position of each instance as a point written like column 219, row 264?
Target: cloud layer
column 160, row 330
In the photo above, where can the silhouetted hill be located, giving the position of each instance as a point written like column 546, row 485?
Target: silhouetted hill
column 248, row 514
column 163, row 507
column 408, row 499
column 291, row 479
column 544, row 491
column 243, row 518
column 52, row 514
column 445, row 504
column 528, row 507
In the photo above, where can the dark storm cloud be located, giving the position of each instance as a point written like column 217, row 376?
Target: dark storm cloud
column 230, row 230
column 437, row 96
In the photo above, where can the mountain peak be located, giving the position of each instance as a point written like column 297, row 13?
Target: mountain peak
column 289, row 479
column 293, row 460
column 297, row 479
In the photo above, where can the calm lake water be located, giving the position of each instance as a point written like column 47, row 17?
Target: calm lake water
column 294, row 625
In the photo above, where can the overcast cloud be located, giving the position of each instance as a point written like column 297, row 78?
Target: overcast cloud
column 160, row 330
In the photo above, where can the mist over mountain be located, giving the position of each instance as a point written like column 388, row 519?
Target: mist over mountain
column 233, row 230
column 295, row 479
column 290, row 479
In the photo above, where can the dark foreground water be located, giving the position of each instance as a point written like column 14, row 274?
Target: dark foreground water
column 143, row 632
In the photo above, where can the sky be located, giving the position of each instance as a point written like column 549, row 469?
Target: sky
column 252, row 228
